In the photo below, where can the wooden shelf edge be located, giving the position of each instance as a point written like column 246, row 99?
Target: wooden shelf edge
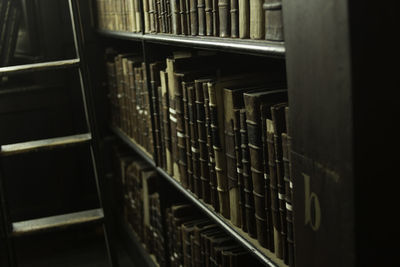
column 247, row 46
column 243, row 238
column 147, row 257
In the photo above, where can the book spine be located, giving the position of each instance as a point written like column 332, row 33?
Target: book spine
column 257, row 27
column 201, row 17
column 208, row 17
column 267, row 190
column 166, row 121
column 188, row 19
column 274, row 189
column 161, row 123
column 194, row 140
column 146, row 16
column 234, row 19
column 278, row 119
column 217, row 133
column 168, row 16
column 152, row 16
column 127, row 96
column 176, row 18
column 273, row 20
column 154, row 83
column 164, row 25
column 239, row 169
column 189, row 169
column 224, row 18
column 180, row 127
column 257, row 171
column 211, row 158
column 215, row 18
column 183, row 17
column 202, row 141
column 194, row 30
column 138, row 16
column 159, row 15
column 248, row 185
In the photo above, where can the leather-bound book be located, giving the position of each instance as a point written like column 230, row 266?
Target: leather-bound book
column 155, row 15
column 278, row 119
column 224, row 18
column 244, row 19
column 159, row 15
column 194, row 26
column 289, row 190
column 273, row 20
column 188, row 18
column 198, row 247
column 234, row 18
column 166, row 121
column 152, row 16
column 194, row 140
column 187, row 237
column 168, row 16
column 187, row 180
column 162, row 163
column 253, row 102
column 216, row 246
column 149, row 186
column 209, row 17
column 247, row 182
column 183, row 20
column 204, row 243
column 202, row 139
column 215, row 20
column 201, row 15
column 214, row 199
column 146, row 15
column 257, row 24
column 164, row 16
column 138, row 16
column 176, row 17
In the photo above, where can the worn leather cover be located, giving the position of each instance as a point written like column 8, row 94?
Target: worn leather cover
column 234, row 18
column 194, row 26
column 273, row 20
column 176, row 17
column 215, row 20
column 257, row 24
column 209, row 17
column 224, row 18
column 201, row 14
column 183, row 18
column 253, row 102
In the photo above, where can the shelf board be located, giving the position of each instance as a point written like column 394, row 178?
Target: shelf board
column 243, row 238
column 246, row 46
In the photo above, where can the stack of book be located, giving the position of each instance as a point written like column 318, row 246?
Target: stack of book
column 10, row 17
column 224, row 135
column 129, row 98
column 119, row 15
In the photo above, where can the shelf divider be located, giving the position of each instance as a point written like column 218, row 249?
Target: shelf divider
column 249, row 243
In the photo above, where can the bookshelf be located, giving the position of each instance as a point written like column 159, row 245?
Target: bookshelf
column 335, row 72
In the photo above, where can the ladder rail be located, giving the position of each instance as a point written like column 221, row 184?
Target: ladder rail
column 12, row 70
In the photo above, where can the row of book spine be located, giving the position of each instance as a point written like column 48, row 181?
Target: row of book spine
column 224, row 136
column 119, row 15
column 190, row 239
column 245, row 19
column 10, row 17
column 255, row 19
column 129, row 98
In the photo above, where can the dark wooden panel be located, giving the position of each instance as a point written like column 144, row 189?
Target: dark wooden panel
column 320, row 99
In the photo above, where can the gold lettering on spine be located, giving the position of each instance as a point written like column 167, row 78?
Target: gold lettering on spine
column 311, row 198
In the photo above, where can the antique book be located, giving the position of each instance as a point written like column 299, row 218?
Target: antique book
column 152, row 16
column 244, row 19
column 149, row 186
column 176, row 17
column 166, row 121
column 273, row 20
column 159, row 11
column 187, row 238
column 289, row 189
column 257, row 25
column 224, row 18
column 234, row 18
column 163, row 9
column 215, row 17
column 161, row 122
column 200, row 84
column 194, row 26
column 278, row 120
column 187, row 180
column 253, row 102
column 188, row 18
column 156, row 15
column 201, row 15
column 138, row 16
column 168, row 16
column 145, row 5
column 183, row 18
column 209, row 17
column 246, row 173
column 214, row 198
column 197, row 244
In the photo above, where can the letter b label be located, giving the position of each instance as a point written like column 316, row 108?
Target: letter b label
column 312, row 207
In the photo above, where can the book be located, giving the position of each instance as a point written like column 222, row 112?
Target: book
column 152, row 16
column 215, row 17
column 273, row 20
column 183, row 18
column 224, row 18
column 176, row 17
column 253, row 102
column 201, row 14
column 194, row 26
column 146, row 15
column 257, row 27
column 234, row 18
column 166, row 121
column 188, row 18
column 246, row 173
column 244, row 19
column 209, row 17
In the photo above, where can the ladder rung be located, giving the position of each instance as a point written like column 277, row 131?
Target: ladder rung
column 56, row 222
column 4, row 71
column 25, row 147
